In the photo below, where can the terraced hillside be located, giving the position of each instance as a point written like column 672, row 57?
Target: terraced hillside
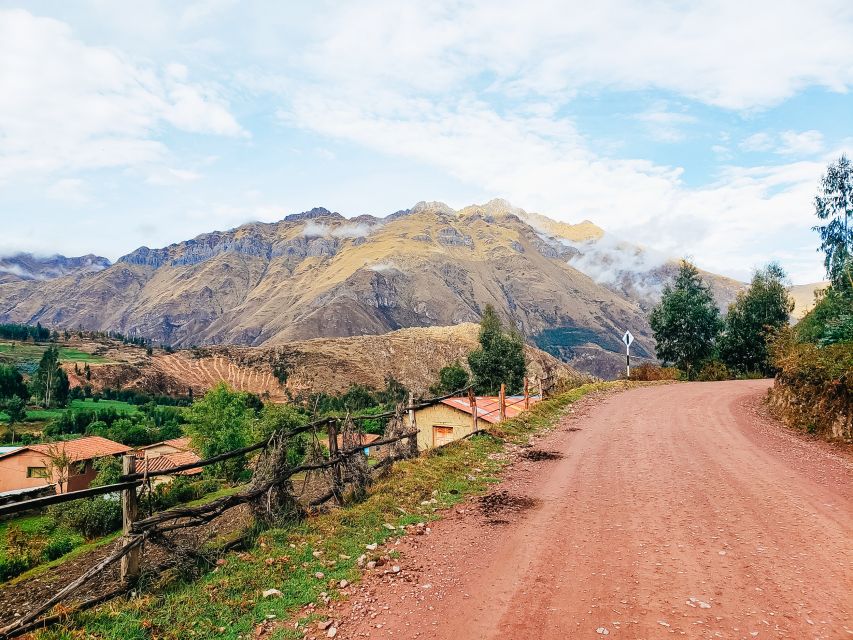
column 412, row 356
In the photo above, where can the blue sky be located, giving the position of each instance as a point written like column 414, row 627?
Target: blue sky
column 697, row 130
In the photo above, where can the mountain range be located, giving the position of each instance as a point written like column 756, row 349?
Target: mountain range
column 570, row 289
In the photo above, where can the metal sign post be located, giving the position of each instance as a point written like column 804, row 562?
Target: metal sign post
column 628, row 339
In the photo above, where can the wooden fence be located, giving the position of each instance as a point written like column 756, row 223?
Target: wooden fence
column 269, row 493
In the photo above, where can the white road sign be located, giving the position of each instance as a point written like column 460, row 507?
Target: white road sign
column 627, row 338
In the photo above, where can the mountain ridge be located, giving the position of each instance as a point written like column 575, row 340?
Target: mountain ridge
column 319, row 274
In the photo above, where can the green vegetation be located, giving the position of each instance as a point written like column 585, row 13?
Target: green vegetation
column 451, row 378
column 228, row 604
column 834, row 203
column 500, row 358
column 754, row 318
column 686, row 323
column 23, row 354
column 222, row 421
column 814, row 384
column 50, row 383
column 30, row 540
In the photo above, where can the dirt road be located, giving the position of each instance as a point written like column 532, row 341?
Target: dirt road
column 667, row 511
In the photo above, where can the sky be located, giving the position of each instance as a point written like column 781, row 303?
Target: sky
column 697, row 129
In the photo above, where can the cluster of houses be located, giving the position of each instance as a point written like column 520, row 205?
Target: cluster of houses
column 69, row 465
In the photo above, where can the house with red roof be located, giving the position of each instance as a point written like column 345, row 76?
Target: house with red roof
column 68, row 465
column 454, row 418
column 167, row 454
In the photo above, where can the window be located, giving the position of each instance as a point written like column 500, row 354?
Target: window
column 37, row 472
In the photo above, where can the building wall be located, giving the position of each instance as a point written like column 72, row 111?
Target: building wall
column 443, row 416
column 13, row 472
column 160, row 449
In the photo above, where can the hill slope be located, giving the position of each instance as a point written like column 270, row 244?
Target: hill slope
column 412, row 356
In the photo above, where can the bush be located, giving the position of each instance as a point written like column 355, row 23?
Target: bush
column 647, row 372
column 178, row 491
column 13, row 565
column 60, row 543
column 90, row 517
column 714, row 370
column 814, row 386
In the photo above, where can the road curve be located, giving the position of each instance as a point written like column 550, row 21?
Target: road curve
column 675, row 510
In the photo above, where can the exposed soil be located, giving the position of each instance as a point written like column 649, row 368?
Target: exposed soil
column 677, row 510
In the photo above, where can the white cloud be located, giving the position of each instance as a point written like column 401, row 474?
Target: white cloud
column 664, row 125
column 65, row 105
column 721, row 53
column 71, row 190
column 758, row 142
column 805, row 143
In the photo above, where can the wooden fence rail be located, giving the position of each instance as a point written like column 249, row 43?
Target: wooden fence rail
column 156, row 526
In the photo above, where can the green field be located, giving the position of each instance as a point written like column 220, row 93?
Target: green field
column 17, row 353
column 42, row 415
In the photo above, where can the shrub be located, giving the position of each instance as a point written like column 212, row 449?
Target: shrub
column 648, row 372
column 714, row 370
column 814, row 386
column 90, row 517
column 13, row 565
column 60, row 543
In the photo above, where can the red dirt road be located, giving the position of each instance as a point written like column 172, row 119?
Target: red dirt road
column 675, row 510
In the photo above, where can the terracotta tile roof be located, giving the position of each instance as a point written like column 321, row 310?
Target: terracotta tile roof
column 169, row 460
column 488, row 407
column 86, row 448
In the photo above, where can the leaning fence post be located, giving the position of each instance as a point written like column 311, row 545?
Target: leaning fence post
column 503, row 401
column 130, row 563
column 336, row 466
column 472, row 400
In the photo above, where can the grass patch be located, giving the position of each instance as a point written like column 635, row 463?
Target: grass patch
column 22, row 353
column 227, row 603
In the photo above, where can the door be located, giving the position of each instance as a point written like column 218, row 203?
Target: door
column 441, row 435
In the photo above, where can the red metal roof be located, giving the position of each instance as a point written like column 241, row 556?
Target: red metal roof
column 488, row 407
column 86, row 448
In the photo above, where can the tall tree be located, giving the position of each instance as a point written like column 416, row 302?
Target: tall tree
column 12, row 383
column 50, row 383
column 756, row 315
column 500, row 358
column 834, row 203
column 16, row 411
column 220, row 422
column 686, row 323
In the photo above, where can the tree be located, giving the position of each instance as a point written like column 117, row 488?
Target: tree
column 220, row 422
column 50, row 383
column 754, row 317
column 12, row 383
column 451, row 378
column 834, row 203
column 500, row 358
column 686, row 323
column 16, row 411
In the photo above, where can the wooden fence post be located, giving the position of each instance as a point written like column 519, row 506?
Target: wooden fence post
column 503, row 401
column 526, row 394
column 472, row 400
column 336, row 468
column 130, row 564
column 413, row 425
